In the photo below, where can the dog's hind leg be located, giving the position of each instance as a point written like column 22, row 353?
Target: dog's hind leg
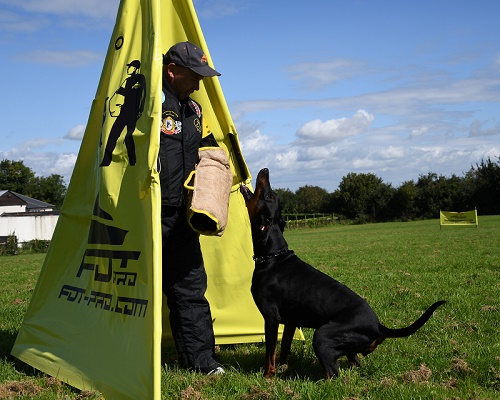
column 324, row 345
column 334, row 340
column 271, row 336
column 286, row 343
column 354, row 360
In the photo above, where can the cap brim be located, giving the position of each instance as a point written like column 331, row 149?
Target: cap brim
column 205, row 71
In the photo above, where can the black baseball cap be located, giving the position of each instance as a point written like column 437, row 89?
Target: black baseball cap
column 186, row 54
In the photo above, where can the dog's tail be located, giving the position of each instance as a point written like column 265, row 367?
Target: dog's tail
column 409, row 330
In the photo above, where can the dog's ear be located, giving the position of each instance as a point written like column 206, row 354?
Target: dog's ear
column 281, row 221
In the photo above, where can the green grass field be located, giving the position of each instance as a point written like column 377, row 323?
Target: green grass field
column 400, row 268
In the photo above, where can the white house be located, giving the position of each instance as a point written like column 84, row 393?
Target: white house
column 26, row 218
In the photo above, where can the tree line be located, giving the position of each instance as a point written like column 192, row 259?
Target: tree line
column 362, row 197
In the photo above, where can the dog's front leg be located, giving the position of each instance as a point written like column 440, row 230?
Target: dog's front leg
column 271, row 336
column 286, row 342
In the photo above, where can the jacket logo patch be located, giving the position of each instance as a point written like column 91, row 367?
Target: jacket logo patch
column 170, row 126
column 197, row 124
column 196, row 108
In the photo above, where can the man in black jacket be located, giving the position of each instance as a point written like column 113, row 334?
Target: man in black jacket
column 184, row 276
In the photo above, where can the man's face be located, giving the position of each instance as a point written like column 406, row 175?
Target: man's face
column 131, row 70
column 184, row 81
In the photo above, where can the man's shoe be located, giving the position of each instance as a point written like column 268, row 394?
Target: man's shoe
column 217, row 371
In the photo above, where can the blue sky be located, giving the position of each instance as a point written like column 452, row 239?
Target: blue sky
column 316, row 89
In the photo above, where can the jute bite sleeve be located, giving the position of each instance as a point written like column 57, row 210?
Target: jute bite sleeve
column 208, row 201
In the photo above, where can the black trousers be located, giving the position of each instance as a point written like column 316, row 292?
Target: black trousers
column 184, row 285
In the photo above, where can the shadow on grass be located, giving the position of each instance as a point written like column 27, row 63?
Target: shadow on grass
column 7, row 340
column 243, row 358
column 249, row 359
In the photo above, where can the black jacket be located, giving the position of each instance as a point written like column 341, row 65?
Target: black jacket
column 180, row 138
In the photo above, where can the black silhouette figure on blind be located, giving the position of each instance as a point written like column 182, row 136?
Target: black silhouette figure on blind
column 126, row 105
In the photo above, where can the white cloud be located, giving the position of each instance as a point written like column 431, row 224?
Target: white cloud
column 335, row 129
column 392, row 152
column 392, row 158
column 76, row 133
column 64, row 165
column 255, row 142
column 44, row 163
column 477, row 130
column 317, row 153
column 48, row 163
column 31, row 145
column 363, row 164
column 416, row 132
column 287, row 159
column 325, row 73
column 258, row 150
column 45, row 155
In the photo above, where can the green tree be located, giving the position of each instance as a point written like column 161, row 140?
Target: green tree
column 468, row 190
column 335, row 203
column 460, row 192
column 288, row 201
column 487, row 189
column 364, row 197
column 15, row 176
column 50, row 189
column 428, row 202
column 403, row 203
column 437, row 192
column 311, row 199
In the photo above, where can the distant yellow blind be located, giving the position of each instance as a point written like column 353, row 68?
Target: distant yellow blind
column 458, row 218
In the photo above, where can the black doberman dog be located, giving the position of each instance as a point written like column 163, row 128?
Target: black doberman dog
column 291, row 292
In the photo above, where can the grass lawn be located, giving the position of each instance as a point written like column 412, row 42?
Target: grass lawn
column 400, row 268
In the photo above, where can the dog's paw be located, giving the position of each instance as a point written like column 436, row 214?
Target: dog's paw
column 245, row 191
column 282, row 368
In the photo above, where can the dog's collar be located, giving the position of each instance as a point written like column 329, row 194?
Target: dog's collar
column 261, row 259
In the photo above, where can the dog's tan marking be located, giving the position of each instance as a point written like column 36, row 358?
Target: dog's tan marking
column 376, row 342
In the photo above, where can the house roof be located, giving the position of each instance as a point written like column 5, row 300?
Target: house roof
column 31, row 213
column 30, row 202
